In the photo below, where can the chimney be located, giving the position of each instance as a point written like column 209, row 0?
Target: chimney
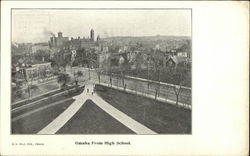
column 52, row 40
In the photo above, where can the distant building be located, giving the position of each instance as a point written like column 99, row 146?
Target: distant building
column 78, row 43
column 40, row 46
column 173, row 61
column 38, row 70
column 132, row 55
column 58, row 41
column 182, row 54
column 21, row 49
column 172, row 52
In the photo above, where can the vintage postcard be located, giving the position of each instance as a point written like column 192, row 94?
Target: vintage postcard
column 132, row 77
column 73, row 72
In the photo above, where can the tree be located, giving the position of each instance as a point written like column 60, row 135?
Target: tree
column 177, row 90
column 138, row 63
column 107, row 66
column 81, row 57
column 91, row 58
column 98, row 70
column 150, row 65
column 29, row 82
column 17, row 89
column 63, row 79
column 77, row 75
column 32, row 88
column 179, row 78
column 110, row 76
column 60, row 60
column 158, row 65
column 42, row 54
column 124, row 65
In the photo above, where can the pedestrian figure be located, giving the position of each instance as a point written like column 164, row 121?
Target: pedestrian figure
column 92, row 93
column 87, row 90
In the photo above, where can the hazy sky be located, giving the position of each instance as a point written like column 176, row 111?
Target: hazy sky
column 36, row 25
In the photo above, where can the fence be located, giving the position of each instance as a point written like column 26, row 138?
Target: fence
column 163, row 90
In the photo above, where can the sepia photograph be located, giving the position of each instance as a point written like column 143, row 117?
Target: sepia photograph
column 124, row 78
column 101, row 71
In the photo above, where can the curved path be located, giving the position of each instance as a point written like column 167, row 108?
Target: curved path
column 63, row 118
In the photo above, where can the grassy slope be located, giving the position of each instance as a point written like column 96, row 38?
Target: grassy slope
column 90, row 119
column 35, row 122
column 160, row 117
column 38, row 105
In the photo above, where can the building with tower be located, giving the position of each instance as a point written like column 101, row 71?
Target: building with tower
column 89, row 44
column 58, row 41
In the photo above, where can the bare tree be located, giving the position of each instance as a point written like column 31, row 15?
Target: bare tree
column 123, row 63
column 138, row 63
column 178, row 78
column 99, row 74
column 177, row 90
column 63, row 79
column 158, row 65
column 29, row 82
column 16, row 89
column 77, row 75
column 110, row 77
column 148, row 60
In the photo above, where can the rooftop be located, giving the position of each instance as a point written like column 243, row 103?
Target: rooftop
column 35, row 62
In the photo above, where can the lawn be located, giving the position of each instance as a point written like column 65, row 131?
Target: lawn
column 33, row 123
column 38, row 105
column 90, row 119
column 158, row 116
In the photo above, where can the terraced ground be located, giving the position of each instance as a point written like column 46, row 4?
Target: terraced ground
column 33, row 123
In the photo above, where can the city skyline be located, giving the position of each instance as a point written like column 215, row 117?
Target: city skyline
column 38, row 25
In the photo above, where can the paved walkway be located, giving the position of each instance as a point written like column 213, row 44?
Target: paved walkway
column 63, row 118
column 57, row 123
column 135, row 126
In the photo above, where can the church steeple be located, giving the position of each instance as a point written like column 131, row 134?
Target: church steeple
column 92, row 36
